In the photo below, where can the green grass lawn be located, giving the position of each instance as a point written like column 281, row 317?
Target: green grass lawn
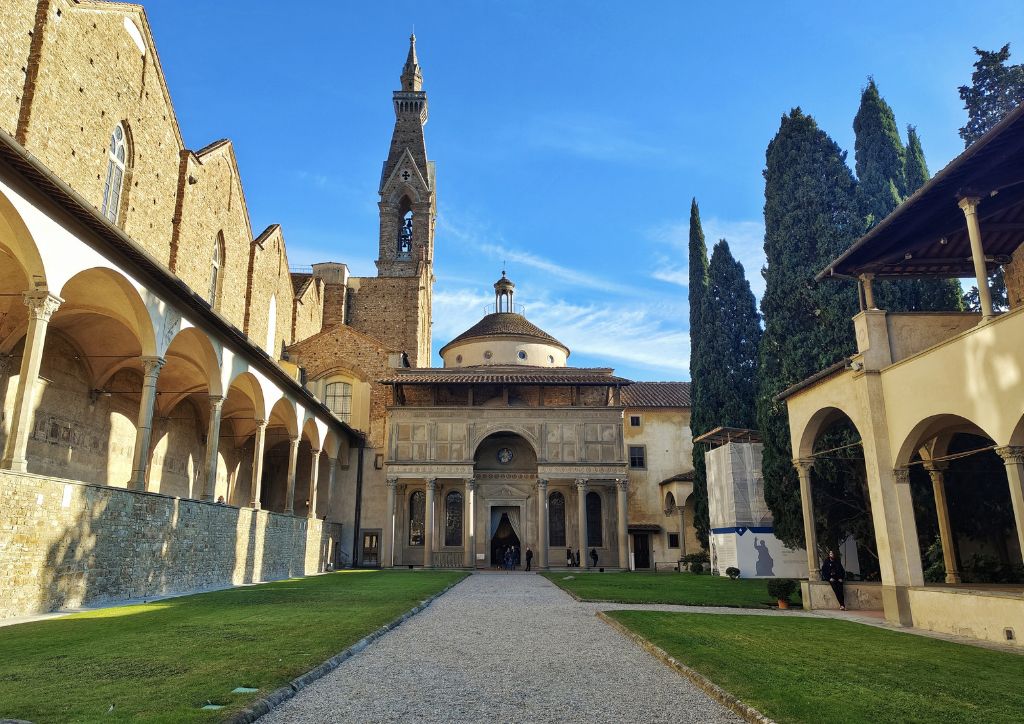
column 160, row 662
column 815, row 670
column 679, row 588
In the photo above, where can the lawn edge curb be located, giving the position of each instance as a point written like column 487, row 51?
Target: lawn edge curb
column 706, row 685
column 277, row 697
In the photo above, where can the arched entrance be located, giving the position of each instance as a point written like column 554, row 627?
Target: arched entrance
column 505, row 470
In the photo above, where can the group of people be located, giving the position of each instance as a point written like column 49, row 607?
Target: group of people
column 508, row 558
column 573, row 560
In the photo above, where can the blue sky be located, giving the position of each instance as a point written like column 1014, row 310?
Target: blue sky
column 569, row 136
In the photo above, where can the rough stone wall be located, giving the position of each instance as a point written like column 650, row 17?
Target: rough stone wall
column 342, row 350
column 66, row 544
column 268, row 277
column 394, row 310
column 91, row 76
column 1013, row 273
column 212, row 206
column 308, row 312
column 16, row 24
column 335, row 296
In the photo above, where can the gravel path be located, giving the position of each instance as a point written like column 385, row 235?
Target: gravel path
column 503, row 648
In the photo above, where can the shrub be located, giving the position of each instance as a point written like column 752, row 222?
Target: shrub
column 701, row 557
column 732, row 572
column 781, row 588
column 696, row 567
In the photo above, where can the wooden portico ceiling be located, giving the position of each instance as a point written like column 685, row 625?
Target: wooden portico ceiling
column 927, row 234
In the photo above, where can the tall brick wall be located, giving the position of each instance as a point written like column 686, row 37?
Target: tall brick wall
column 335, row 298
column 91, row 76
column 212, row 204
column 308, row 311
column 16, row 23
column 268, row 277
column 65, row 544
column 1014, row 275
column 394, row 310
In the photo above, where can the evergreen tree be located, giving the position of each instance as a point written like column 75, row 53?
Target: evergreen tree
column 699, row 424
column 881, row 163
column 915, row 168
column 733, row 329
column 996, row 89
column 811, row 217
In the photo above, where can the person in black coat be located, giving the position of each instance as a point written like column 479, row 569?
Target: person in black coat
column 529, row 557
column 833, row 572
column 593, row 556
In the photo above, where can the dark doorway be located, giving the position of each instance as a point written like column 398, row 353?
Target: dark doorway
column 370, row 557
column 642, row 550
column 504, row 536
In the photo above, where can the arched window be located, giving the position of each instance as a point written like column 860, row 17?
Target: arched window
column 595, row 535
column 556, row 520
column 116, row 163
column 338, row 398
column 453, row 518
column 216, row 262
column 404, row 249
column 417, row 516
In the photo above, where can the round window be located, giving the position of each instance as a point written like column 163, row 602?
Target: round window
column 522, row 354
column 551, row 359
column 488, row 354
column 458, row 358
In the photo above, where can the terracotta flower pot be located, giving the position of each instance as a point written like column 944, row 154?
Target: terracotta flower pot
column 783, row 604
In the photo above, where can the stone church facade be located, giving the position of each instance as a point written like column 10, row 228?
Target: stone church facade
column 176, row 397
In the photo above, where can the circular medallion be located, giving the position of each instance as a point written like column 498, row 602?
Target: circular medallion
column 505, row 455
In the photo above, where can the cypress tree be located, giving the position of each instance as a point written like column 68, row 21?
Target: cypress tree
column 698, row 268
column 881, row 163
column 915, row 169
column 996, row 89
column 730, row 316
column 811, row 216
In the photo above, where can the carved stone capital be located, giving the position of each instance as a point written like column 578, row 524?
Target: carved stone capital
column 151, row 366
column 41, row 305
column 294, row 441
column 392, row 483
column 1011, row 454
column 622, row 484
column 470, row 484
column 216, row 402
column 803, row 465
column 542, row 484
column 581, row 484
column 432, row 484
column 901, row 476
column 969, row 204
column 315, row 455
column 940, row 466
column 260, row 424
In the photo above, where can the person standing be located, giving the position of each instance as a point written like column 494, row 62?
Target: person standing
column 593, row 557
column 529, row 557
column 568, row 557
column 833, row 572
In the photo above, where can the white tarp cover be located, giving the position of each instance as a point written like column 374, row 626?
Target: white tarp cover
column 736, row 486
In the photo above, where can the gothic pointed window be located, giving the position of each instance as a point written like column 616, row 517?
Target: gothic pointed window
column 453, row 518
column 117, row 155
column 595, row 534
column 216, row 263
column 338, row 397
column 405, row 236
column 417, row 516
column 556, row 520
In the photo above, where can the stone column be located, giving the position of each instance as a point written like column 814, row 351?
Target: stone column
column 542, row 524
column 803, row 469
column 471, row 523
column 937, row 472
column 293, row 461
column 1013, row 457
column 622, row 498
column 681, row 509
column 314, row 478
column 213, row 446
column 144, row 431
column 256, row 486
column 388, row 544
column 332, row 472
column 581, row 521
column 970, row 209
column 428, row 527
column 41, row 306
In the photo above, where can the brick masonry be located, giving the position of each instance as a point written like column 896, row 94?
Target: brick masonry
column 65, row 544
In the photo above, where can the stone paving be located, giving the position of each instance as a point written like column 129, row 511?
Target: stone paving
column 503, row 648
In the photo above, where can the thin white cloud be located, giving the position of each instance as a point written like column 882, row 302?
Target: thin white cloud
column 591, row 137
column 746, row 241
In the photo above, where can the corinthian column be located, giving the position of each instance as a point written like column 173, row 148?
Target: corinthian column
column 471, row 523
column 212, row 446
column 144, row 431
column 622, row 498
column 803, row 469
column 257, row 464
column 428, row 528
column 581, row 521
column 1013, row 458
column 542, row 524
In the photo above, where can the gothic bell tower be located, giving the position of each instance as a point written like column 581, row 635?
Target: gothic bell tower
column 408, row 206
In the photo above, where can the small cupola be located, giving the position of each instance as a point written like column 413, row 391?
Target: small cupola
column 504, row 288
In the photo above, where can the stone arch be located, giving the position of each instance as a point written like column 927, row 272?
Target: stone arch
column 192, row 363
column 17, row 243
column 935, row 427
column 243, row 407
column 670, row 502
column 530, row 436
column 819, row 422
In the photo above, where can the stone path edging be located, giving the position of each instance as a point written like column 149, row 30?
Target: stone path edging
column 262, row 706
column 709, row 687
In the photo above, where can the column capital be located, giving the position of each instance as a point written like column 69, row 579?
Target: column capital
column 332, row 462
column 622, row 484
column 542, row 484
column 803, row 465
column 41, row 304
column 294, row 441
column 936, row 467
column 1011, row 454
column 151, row 365
column 392, row 483
column 431, row 484
column 260, row 424
column 581, row 483
column 315, row 453
column 216, row 401
column 470, row 483
column 901, row 476
column 969, row 204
